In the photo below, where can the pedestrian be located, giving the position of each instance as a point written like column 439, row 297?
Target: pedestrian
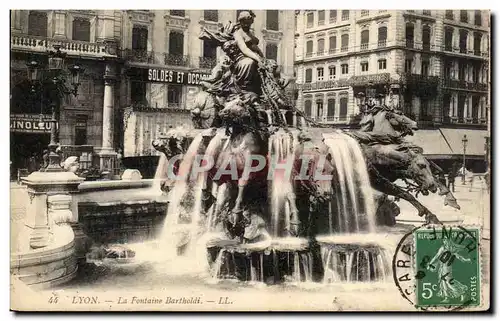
column 442, row 178
column 452, row 174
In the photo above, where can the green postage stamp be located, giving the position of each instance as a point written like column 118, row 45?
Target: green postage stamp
column 448, row 267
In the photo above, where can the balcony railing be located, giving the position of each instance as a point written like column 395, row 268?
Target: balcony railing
column 410, row 43
column 207, row 62
column 337, row 119
column 344, row 48
column 382, row 43
column 463, row 49
column 462, row 84
column 364, row 46
column 426, row 46
column 71, row 47
column 176, row 60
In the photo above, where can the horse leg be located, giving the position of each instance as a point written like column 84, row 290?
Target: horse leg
column 383, row 185
column 449, row 198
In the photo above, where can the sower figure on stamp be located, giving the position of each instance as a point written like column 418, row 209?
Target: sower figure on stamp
column 449, row 288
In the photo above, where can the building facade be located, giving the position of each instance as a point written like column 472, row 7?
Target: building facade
column 419, row 59
column 164, row 60
column 85, row 123
column 142, row 71
column 431, row 64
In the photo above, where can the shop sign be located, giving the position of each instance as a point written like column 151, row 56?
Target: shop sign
column 31, row 123
column 160, row 75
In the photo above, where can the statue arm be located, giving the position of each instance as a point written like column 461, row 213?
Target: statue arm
column 240, row 42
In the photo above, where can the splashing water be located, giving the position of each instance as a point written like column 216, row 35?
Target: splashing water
column 353, row 199
column 282, row 193
column 181, row 223
column 160, row 174
column 348, row 253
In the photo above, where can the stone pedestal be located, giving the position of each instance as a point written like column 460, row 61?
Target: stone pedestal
column 107, row 159
column 44, row 189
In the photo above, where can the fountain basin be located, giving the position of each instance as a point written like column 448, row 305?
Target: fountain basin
column 354, row 258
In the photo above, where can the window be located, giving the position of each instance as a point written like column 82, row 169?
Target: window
column 331, row 72
column 365, row 39
column 448, row 39
column 464, row 16
column 309, row 75
column 426, row 12
column 343, row 108
column 449, row 15
column 425, row 113
column 138, row 92
column 382, row 64
column 81, row 131
column 209, row 50
column 211, row 15
column 321, row 47
column 174, row 94
column 81, row 29
column 310, row 20
column 365, row 13
column 330, row 109
column 344, row 68
column 344, row 43
column 425, row 68
column 462, row 66
column 477, row 44
column 364, row 66
column 272, row 20
column 272, row 51
column 463, row 41
column 333, row 44
column 178, row 13
column 448, row 69
column 475, row 73
column 321, row 17
column 477, row 18
column 309, row 48
column 345, row 15
column 320, row 73
column 382, row 37
column 307, row 108
column 140, row 38
column 176, row 43
column 319, row 108
column 37, row 23
column 408, row 65
column 426, row 38
column 409, row 35
column 333, row 16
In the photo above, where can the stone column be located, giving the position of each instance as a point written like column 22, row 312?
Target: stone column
column 106, row 153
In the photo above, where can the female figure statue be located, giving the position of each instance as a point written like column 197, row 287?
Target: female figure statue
column 249, row 57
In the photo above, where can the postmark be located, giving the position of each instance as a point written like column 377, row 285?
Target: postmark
column 438, row 267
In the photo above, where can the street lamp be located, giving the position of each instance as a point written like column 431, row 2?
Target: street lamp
column 58, row 89
column 464, row 142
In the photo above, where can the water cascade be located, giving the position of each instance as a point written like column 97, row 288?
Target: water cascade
column 348, row 250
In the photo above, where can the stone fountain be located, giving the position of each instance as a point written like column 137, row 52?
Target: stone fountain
column 254, row 195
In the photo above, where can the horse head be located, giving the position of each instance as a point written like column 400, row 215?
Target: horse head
column 419, row 170
column 401, row 123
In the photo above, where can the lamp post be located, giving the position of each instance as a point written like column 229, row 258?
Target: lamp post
column 55, row 78
column 464, row 143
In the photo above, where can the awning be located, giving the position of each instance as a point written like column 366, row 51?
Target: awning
column 433, row 143
column 475, row 140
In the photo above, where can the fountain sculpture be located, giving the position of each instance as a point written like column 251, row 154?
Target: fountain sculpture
column 266, row 200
